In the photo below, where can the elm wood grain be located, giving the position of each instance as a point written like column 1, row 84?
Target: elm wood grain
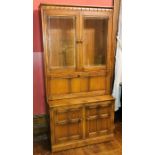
column 74, row 86
column 107, row 148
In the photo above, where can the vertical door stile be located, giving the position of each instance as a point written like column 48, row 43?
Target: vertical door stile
column 81, row 41
column 110, row 41
column 77, row 39
column 68, row 126
column 111, row 53
column 84, row 122
column 109, row 45
column 45, row 57
column 109, row 50
column 52, row 126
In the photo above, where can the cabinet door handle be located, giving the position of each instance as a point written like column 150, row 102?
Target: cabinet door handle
column 79, row 41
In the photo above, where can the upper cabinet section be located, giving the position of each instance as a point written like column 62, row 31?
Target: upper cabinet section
column 76, row 39
column 77, row 50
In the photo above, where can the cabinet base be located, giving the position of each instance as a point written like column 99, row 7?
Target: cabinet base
column 80, row 143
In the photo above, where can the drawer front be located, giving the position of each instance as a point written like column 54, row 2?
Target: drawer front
column 68, row 124
column 99, row 119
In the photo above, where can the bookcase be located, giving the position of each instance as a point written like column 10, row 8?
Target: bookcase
column 78, row 62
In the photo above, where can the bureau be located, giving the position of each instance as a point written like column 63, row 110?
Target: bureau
column 78, row 61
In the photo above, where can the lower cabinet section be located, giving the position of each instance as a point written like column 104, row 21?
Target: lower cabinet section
column 78, row 125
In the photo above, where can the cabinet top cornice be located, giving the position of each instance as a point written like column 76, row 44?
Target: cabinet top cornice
column 75, row 7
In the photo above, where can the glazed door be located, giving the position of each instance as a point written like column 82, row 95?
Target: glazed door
column 96, row 51
column 61, row 43
column 60, row 38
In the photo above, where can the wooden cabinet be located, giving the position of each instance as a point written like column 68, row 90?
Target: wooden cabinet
column 78, row 67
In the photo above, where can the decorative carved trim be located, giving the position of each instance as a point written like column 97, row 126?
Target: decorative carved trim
column 71, row 7
column 69, row 121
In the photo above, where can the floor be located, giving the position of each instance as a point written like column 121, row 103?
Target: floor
column 108, row 148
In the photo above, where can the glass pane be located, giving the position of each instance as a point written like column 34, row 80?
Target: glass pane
column 61, row 43
column 95, row 41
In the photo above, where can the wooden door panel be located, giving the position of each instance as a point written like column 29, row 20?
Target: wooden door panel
column 91, row 111
column 68, row 125
column 61, row 133
column 74, row 130
column 79, row 85
column 66, row 114
column 91, row 127
column 75, row 113
column 104, row 109
column 58, row 86
column 61, row 116
column 98, row 119
column 103, row 125
column 97, row 83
